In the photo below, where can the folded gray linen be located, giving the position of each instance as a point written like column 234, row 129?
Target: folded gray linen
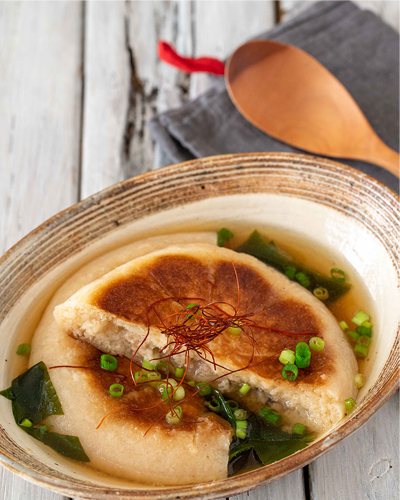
column 355, row 45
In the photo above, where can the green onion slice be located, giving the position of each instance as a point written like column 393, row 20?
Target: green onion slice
column 24, row 349
column 108, row 362
column 338, row 274
column 140, row 376
column 366, row 324
column 234, row 330
column 321, row 293
column 224, row 235
column 343, row 325
column 290, row 372
column 179, row 394
column 290, row 272
column 299, row 429
column 233, row 405
column 205, row 389
column 360, row 317
column 116, row 390
column 213, row 404
column 359, row 381
column 161, row 367
column 26, row 423
column 361, row 351
column 241, row 433
column 317, row 344
column 240, row 414
column 147, row 365
column 353, row 336
column 287, row 357
column 241, row 424
column 364, row 330
column 274, row 418
column 364, row 340
column 192, row 383
column 245, row 389
column 303, row 355
column 303, row 279
column 153, row 376
column 349, row 404
column 174, row 416
column 179, row 372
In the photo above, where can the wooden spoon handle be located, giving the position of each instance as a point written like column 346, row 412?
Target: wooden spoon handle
column 380, row 154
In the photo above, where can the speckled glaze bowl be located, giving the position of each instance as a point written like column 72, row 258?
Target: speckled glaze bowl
column 330, row 203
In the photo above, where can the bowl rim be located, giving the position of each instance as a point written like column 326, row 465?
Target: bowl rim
column 249, row 480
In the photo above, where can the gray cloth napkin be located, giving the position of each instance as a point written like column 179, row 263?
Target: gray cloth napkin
column 355, row 45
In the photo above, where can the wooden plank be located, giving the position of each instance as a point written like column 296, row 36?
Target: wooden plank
column 291, row 486
column 40, row 96
column 364, row 466
column 126, row 84
column 40, row 105
column 220, row 27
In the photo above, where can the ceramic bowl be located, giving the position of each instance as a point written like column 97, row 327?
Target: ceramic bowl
column 331, row 204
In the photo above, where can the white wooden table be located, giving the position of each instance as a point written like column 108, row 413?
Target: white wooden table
column 78, row 83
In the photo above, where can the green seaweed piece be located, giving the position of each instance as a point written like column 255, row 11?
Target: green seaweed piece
column 33, row 397
column 269, row 442
column 257, row 246
column 225, row 410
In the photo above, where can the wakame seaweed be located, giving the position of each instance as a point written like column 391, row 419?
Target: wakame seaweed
column 268, row 441
column 257, row 246
column 34, row 398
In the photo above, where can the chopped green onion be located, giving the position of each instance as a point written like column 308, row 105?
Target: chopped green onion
column 179, row 394
column 287, row 357
column 108, row 362
column 192, row 383
column 360, row 317
column 270, row 416
column 24, row 349
column 364, row 340
column 316, row 344
column 234, row 330
column 140, row 375
column 367, row 324
column 166, row 392
column 190, row 316
column 161, row 367
column 214, row 404
column 338, row 274
column 172, row 382
column 241, row 429
column 290, row 272
column 43, row 429
column 290, row 372
column 233, row 405
column 116, row 390
column 179, row 372
column 174, row 416
column 153, row 376
column 206, row 391
column 299, row 429
column 359, row 381
column 353, row 335
column 244, row 389
column 241, row 433
column 26, row 423
column 343, row 325
column 349, row 404
column 303, row 279
column 147, row 365
column 241, row 424
column 321, row 293
column 303, row 355
column 240, row 414
column 364, row 330
column 361, row 351
column 224, row 235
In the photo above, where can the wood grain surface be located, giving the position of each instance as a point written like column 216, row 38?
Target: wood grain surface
column 79, row 81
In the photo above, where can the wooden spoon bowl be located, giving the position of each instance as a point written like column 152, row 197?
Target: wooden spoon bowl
column 288, row 94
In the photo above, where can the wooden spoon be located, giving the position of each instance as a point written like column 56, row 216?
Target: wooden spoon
column 285, row 92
